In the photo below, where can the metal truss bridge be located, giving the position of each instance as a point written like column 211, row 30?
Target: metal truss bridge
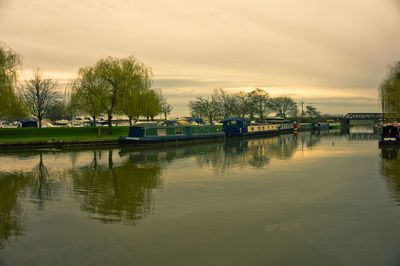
column 363, row 116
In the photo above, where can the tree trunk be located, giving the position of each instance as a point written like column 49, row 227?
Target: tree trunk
column 130, row 121
column 94, row 120
column 165, row 115
column 109, row 124
column 148, row 118
column 40, row 121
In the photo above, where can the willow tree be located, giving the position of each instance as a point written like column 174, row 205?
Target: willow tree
column 151, row 104
column 117, row 76
column 11, row 105
column 88, row 92
column 133, row 97
column 389, row 91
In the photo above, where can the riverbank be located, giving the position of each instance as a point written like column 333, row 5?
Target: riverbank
column 11, row 138
column 60, row 133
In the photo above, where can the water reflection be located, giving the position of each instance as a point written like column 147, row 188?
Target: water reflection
column 115, row 193
column 119, row 185
column 390, row 168
column 11, row 212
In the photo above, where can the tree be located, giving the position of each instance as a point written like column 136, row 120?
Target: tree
column 118, row 75
column 240, row 104
column 389, row 91
column 311, row 111
column 284, row 106
column 88, row 92
column 151, row 102
column 204, row 108
column 166, row 108
column 225, row 103
column 260, row 103
column 11, row 106
column 56, row 111
column 132, row 102
column 39, row 94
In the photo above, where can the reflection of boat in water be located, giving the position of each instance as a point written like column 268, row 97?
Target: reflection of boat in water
column 390, row 169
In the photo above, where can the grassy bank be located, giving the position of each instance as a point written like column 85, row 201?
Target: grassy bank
column 60, row 133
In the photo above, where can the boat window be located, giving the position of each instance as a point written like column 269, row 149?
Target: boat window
column 252, row 129
column 232, row 123
column 161, row 132
column 179, row 131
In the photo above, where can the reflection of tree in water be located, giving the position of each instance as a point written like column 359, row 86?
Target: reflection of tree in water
column 43, row 188
column 390, row 168
column 35, row 183
column 114, row 194
column 11, row 212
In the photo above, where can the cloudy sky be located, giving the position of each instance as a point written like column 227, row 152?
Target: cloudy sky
column 331, row 53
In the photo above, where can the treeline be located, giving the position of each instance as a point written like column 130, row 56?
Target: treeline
column 256, row 104
column 110, row 86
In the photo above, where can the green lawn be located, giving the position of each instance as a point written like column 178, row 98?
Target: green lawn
column 60, row 133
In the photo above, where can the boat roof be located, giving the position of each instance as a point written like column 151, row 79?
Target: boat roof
column 235, row 119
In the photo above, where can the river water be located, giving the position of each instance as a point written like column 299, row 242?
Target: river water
column 306, row 199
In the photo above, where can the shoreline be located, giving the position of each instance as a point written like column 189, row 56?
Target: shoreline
column 5, row 145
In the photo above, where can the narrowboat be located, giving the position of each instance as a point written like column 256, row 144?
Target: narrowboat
column 241, row 127
column 285, row 127
column 335, row 125
column 320, row 126
column 390, row 135
column 147, row 134
column 302, row 127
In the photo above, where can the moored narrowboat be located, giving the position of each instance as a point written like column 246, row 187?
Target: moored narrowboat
column 334, row 125
column 144, row 134
column 302, row 126
column 241, row 127
column 285, row 127
column 390, row 135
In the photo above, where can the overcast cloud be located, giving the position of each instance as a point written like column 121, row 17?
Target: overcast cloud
column 332, row 52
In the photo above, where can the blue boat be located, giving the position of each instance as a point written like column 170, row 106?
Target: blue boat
column 390, row 135
column 241, row 127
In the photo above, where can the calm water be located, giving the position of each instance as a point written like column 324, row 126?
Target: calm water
column 327, row 199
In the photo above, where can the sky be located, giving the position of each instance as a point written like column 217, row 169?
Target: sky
column 331, row 54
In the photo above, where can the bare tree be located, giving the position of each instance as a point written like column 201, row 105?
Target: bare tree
column 39, row 94
column 311, row 111
column 166, row 108
column 260, row 101
column 284, row 106
column 225, row 102
column 205, row 108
